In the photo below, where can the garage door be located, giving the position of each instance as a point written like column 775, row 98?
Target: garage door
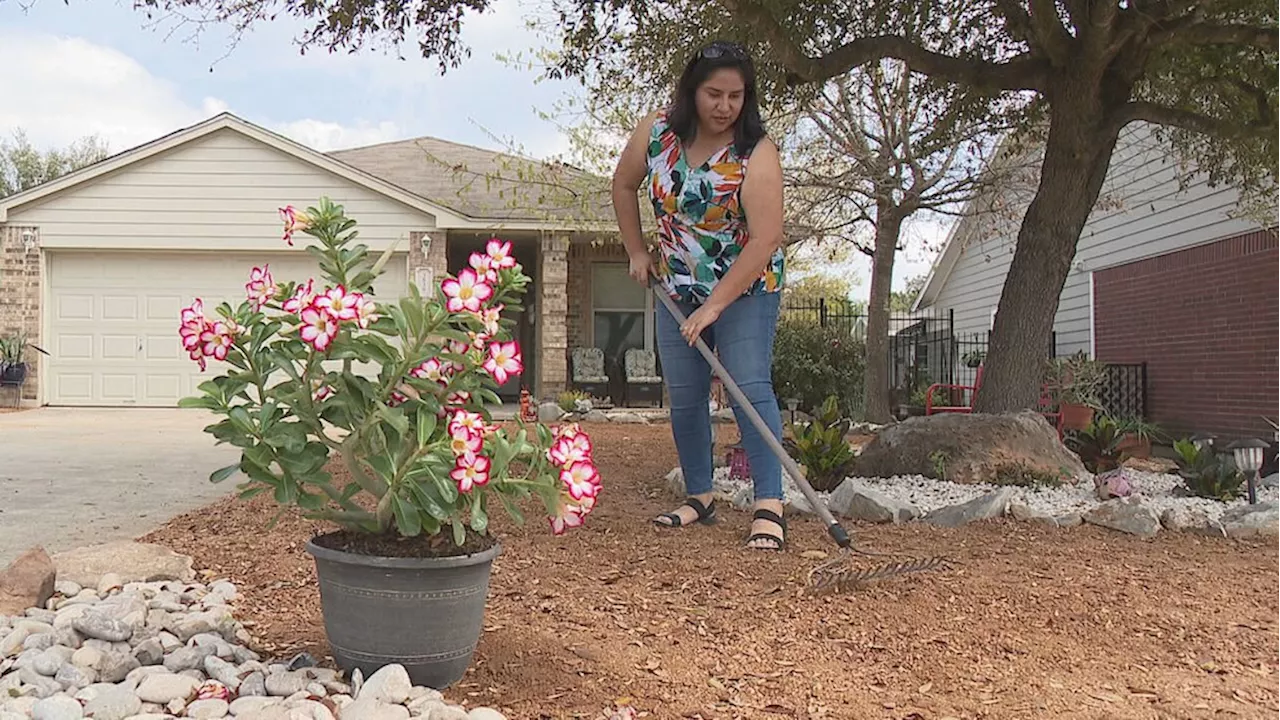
column 114, row 318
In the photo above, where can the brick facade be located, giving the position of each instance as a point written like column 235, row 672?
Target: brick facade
column 1204, row 320
column 428, row 268
column 582, row 256
column 553, row 335
column 20, row 301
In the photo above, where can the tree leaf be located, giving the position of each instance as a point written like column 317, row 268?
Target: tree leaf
column 223, row 473
column 426, row 426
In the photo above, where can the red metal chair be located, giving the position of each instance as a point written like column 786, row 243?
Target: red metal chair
column 1054, row 418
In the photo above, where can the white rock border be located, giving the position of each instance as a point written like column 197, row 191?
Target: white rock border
column 1153, row 506
column 173, row 649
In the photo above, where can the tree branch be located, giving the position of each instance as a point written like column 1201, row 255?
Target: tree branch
column 1193, row 121
column 1048, row 30
column 1022, row 72
column 1199, row 33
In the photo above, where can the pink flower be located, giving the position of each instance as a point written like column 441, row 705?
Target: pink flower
column 216, row 340
column 302, row 297
column 465, row 442
column 397, row 398
column 582, row 480
column 366, row 311
column 318, row 327
column 294, row 221
column 491, row 318
column 477, row 340
column 261, row 287
column 569, row 450
column 471, row 470
column 431, row 369
column 499, row 252
column 570, row 516
column 320, row 391
column 339, row 303
column 465, row 420
column 466, row 292
column 484, row 267
column 504, row 361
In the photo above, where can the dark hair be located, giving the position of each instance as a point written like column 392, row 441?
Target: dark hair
column 749, row 128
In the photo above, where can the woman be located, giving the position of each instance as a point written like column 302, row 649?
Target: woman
column 715, row 182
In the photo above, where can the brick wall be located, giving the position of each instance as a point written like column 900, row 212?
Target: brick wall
column 20, row 302
column 1205, row 322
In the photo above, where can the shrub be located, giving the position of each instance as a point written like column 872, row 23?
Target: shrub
column 1205, row 474
column 811, row 363
column 1099, row 445
column 821, row 447
column 416, row 437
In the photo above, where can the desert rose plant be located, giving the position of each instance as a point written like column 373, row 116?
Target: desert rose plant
column 412, row 428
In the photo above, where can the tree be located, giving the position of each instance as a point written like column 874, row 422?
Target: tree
column 900, row 301
column 23, row 166
column 879, row 145
column 1202, row 73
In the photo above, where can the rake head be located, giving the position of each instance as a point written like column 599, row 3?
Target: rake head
column 840, row 574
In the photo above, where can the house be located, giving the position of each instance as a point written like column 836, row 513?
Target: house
column 1170, row 279
column 97, row 263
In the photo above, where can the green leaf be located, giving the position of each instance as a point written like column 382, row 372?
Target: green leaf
column 223, row 473
column 459, row 531
column 512, row 509
column 426, row 426
column 395, row 417
column 422, row 495
column 407, row 519
column 479, row 518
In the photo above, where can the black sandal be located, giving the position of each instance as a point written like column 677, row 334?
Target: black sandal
column 779, row 543
column 706, row 514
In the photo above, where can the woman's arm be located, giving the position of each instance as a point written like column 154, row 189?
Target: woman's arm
column 627, row 176
column 762, row 202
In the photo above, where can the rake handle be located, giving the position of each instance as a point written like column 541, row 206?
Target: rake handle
column 834, row 528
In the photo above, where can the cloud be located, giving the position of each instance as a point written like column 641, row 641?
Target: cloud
column 69, row 87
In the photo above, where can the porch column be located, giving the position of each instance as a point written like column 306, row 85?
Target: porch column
column 553, row 310
column 20, row 310
column 428, row 267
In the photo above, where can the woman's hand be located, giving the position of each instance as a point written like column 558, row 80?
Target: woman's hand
column 700, row 320
column 641, row 267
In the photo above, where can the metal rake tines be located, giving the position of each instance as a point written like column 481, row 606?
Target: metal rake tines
column 837, row 575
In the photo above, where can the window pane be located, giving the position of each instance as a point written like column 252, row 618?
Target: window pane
column 613, row 288
column 615, row 332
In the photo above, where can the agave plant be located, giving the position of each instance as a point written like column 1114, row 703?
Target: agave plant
column 1205, row 474
column 821, row 447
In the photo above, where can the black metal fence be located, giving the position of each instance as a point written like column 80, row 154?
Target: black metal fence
column 924, row 348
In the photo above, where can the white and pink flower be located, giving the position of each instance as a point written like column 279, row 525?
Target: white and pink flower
column 499, row 252
column 504, row 361
column 431, row 369
column 466, row 420
column 468, row 291
column 568, row 516
column 470, row 471
column 302, row 297
column 491, row 317
column 581, row 479
column 366, row 312
column 484, row 268
column 261, row 288
column 339, row 303
column 294, row 221
column 319, row 328
column 569, row 450
column 466, row 441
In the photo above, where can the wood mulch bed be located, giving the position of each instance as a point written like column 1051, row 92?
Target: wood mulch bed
column 1032, row 622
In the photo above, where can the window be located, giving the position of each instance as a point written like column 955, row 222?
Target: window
column 621, row 311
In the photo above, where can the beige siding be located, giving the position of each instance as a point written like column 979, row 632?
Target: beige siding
column 1142, row 213
column 220, row 191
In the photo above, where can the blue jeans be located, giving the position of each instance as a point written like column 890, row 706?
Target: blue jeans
column 742, row 337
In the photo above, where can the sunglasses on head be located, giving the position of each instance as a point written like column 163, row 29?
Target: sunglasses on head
column 717, row 50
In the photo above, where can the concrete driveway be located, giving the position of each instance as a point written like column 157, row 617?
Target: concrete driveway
column 72, row 477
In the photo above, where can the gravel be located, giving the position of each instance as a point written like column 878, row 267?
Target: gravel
column 1156, row 490
column 171, row 649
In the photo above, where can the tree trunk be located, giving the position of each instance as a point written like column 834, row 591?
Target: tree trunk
column 1077, row 155
column 875, row 381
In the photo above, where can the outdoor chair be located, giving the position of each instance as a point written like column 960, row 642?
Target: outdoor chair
column 1054, row 418
column 640, row 370
column 588, row 373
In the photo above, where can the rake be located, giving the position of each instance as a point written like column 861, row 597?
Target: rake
column 836, row 574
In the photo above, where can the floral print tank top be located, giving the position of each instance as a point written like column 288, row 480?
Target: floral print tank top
column 702, row 227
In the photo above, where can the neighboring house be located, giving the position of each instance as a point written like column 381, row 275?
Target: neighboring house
column 1167, row 274
column 98, row 263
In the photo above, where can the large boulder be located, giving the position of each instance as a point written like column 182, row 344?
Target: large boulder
column 964, row 448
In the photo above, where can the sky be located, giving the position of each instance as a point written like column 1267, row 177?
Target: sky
column 98, row 67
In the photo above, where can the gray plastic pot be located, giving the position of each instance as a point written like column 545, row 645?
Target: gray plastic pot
column 423, row 613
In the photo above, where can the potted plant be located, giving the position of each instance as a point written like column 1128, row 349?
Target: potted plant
column 974, row 358
column 1137, row 436
column 1073, row 382
column 405, row 576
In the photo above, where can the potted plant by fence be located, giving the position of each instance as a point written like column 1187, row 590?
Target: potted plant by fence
column 1073, row 383
column 397, row 392
column 13, row 361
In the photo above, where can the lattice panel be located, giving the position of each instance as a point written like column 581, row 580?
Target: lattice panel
column 1124, row 394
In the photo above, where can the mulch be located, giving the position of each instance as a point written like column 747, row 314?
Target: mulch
column 1030, row 622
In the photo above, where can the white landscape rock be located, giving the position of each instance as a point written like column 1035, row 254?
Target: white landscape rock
column 121, row 649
